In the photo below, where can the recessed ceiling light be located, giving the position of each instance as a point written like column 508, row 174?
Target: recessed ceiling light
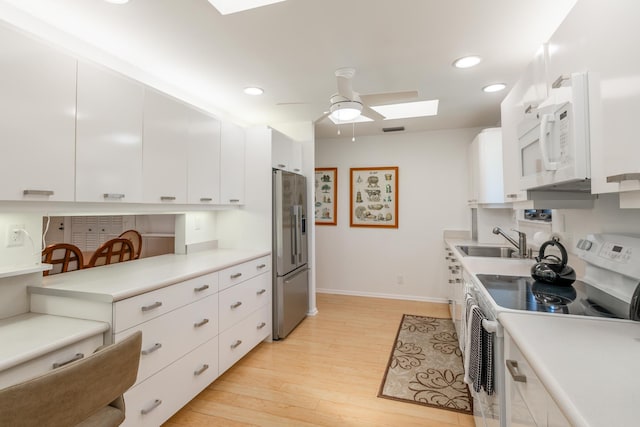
column 407, row 110
column 467, row 61
column 226, row 7
column 496, row 87
column 117, row 1
column 253, row 91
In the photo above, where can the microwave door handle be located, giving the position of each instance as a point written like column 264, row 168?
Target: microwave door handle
column 545, row 122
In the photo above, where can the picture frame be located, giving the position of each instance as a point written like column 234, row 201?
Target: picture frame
column 326, row 196
column 374, row 197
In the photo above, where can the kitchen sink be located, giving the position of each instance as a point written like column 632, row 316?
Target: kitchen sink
column 488, row 251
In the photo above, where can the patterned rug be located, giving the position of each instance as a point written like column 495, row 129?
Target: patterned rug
column 425, row 366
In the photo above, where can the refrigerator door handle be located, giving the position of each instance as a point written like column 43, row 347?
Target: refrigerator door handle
column 298, row 233
column 294, row 234
column 290, row 279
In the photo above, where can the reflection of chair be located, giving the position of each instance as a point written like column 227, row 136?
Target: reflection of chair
column 87, row 392
column 136, row 241
column 63, row 256
column 112, row 251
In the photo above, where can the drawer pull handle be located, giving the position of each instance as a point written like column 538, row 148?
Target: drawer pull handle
column 201, row 288
column 261, row 266
column 152, row 306
column 113, row 196
column 75, row 357
column 234, row 200
column 201, row 370
column 153, row 406
column 201, row 323
column 235, row 276
column 37, row 193
column 261, row 325
column 261, row 291
column 624, row 177
column 167, row 198
column 236, row 304
column 512, row 366
column 236, row 344
column 156, row 346
column 280, row 165
column 205, row 199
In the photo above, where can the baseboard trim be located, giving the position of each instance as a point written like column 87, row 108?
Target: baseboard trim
column 380, row 295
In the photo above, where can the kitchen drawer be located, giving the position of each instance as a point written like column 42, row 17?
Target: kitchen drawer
column 168, row 337
column 531, row 394
column 241, row 272
column 163, row 394
column 240, row 339
column 45, row 363
column 135, row 310
column 239, row 301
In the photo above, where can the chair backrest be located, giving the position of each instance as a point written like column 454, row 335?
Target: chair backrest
column 63, row 256
column 136, row 241
column 112, row 251
column 86, row 392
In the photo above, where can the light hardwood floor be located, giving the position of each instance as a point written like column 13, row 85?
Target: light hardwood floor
column 325, row 373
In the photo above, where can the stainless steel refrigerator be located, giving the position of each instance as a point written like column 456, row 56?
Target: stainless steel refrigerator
column 290, row 270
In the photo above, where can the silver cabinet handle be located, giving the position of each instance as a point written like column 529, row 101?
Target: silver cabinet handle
column 235, row 276
column 624, row 177
column 157, row 346
column 261, row 266
column 451, row 281
column 280, row 165
column 234, row 200
column 558, row 82
column 511, row 196
column 201, row 370
column 512, row 366
column 167, row 198
column 201, row 323
column 37, row 193
column 530, row 108
column 261, row 325
column 296, row 170
column 261, row 291
column 236, row 344
column 201, row 288
column 154, row 405
column 75, row 357
column 113, row 196
column 236, row 304
column 205, row 199
column 152, row 306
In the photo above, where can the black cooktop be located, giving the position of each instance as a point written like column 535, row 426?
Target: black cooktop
column 524, row 293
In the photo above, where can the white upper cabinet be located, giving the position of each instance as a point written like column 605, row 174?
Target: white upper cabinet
column 109, row 136
column 232, row 165
column 286, row 154
column 203, row 163
column 165, row 147
column 485, row 155
column 37, row 124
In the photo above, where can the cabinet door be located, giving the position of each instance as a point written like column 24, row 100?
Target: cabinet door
column 281, row 151
column 485, row 155
column 203, row 163
column 109, row 136
column 37, row 124
column 164, row 153
column 232, row 164
column 512, row 114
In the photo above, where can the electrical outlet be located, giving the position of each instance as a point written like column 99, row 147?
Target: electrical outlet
column 399, row 279
column 15, row 235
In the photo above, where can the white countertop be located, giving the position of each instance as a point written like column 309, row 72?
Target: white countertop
column 115, row 282
column 27, row 336
column 587, row 365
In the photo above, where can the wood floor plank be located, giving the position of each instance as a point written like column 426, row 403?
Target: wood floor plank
column 325, row 373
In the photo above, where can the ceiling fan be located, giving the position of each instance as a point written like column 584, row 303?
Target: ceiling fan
column 347, row 104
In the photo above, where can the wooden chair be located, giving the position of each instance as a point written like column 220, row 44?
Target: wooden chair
column 111, row 252
column 136, row 241
column 64, row 257
column 88, row 392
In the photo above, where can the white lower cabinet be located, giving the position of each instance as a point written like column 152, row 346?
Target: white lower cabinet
column 528, row 401
column 242, row 337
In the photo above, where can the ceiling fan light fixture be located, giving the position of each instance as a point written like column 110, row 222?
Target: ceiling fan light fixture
column 345, row 110
column 467, row 61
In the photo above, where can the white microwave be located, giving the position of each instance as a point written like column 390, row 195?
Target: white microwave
column 554, row 139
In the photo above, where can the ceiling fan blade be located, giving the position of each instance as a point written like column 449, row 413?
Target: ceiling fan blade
column 371, row 113
column 389, row 97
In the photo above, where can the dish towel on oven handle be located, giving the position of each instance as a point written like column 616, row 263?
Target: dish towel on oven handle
column 478, row 353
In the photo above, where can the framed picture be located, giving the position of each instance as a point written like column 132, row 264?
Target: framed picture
column 326, row 197
column 374, row 197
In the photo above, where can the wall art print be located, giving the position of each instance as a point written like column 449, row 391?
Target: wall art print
column 374, row 197
column 326, row 197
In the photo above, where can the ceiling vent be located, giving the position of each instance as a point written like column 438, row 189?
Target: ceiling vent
column 393, row 129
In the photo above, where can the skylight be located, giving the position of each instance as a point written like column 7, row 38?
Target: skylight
column 407, row 110
column 226, row 7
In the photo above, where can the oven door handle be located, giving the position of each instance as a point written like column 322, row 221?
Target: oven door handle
column 490, row 326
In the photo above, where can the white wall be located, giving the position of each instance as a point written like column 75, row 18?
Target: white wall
column 433, row 186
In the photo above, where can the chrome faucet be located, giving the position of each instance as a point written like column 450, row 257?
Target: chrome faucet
column 521, row 244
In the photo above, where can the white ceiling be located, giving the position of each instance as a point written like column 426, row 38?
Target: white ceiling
column 291, row 49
